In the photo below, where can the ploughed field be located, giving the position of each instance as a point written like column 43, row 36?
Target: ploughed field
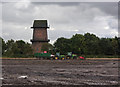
column 59, row 72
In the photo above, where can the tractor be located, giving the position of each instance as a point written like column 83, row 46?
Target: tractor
column 57, row 56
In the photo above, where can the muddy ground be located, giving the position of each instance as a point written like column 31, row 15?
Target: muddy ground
column 60, row 72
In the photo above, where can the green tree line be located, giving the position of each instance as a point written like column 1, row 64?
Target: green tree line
column 87, row 44
column 18, row 48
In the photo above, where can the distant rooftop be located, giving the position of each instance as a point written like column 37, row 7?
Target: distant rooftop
column 40, row 24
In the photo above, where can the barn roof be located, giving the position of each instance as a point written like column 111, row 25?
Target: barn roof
column 40, row 24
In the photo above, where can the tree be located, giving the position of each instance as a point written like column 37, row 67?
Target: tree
column 115, row 46
column 78, row 44
column 9, row 47
column 18, row 49
column 63, row 45
column 91, row 44
column 47, row 47
column 22, row 49
column 2, row 46
column 106, row 46
column 118, row 40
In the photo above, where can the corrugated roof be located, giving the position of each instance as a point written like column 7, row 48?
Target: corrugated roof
column 40, row 24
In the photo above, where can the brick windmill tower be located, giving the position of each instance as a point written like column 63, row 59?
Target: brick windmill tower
column 39, row 35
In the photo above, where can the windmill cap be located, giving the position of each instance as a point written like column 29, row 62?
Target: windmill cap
column 40, row 24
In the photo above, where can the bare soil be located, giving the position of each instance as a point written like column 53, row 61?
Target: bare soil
column 59, row 72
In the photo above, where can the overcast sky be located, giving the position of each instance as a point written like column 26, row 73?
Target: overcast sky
column 65, row 19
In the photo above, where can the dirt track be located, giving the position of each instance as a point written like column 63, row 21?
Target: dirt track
column 60, row 72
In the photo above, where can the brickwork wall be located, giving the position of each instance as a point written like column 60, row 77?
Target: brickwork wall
column 40, row 34
column 36, row 46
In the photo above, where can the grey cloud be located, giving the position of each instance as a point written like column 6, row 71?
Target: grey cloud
column 57, row 3
column 14, row 15
column 66, row 18
column 110, row 8
column 53, row 35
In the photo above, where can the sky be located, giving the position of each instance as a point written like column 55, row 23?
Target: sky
column 65, row 19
